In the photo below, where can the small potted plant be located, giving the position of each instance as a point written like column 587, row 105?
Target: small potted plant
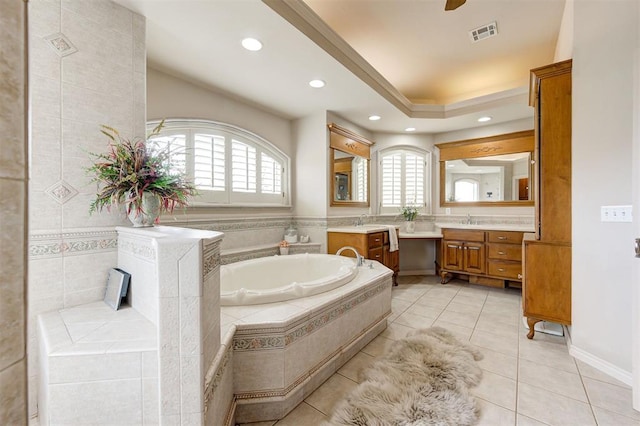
column 284, row 247
column 137, row 175
column 409, row 213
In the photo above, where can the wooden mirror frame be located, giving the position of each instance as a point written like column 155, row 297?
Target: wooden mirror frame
column 510, row 143
column 345, row 140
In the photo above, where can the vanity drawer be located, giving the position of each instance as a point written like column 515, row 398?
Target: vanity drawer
column 505, row 252
column 512, row 270
column 376, row 240
column 462, row 235
column 376, row 254
column 504, row 237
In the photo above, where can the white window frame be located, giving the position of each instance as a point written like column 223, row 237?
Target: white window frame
column 228, row 197
column 425, row 208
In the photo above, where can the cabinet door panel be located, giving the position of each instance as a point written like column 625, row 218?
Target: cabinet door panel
column 452, row 255
column 546, row 289
column 474, row 257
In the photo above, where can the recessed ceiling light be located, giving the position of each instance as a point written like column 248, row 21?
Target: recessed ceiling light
column 374, row 117
column 484, row 119
column 251, row 44
column 316, row 83
column 410, row 129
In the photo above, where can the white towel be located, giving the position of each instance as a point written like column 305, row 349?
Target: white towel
column 393, row 238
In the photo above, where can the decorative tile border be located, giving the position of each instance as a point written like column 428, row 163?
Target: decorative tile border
column 137, row 248
column 267, row 339
column 213, row 379
column 71, row 243
column 210, row 257
column 239, row 255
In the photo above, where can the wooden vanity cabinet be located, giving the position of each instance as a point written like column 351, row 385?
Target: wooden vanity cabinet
column 484, row 257
column 373, row 246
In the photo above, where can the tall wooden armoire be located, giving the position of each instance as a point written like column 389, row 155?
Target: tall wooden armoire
column 546, row 286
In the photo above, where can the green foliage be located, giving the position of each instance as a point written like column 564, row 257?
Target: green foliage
column 130, row 168
column 409, row 212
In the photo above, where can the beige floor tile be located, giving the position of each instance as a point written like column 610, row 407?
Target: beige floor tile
column 395, row 331
column 527, row 421
column 610, row 397
column 607, row 418
column 551, row 408
column 462, row 333
column 461, row 319
column 494, row 415
column 355, row 365
column 433, row 301
column 550, row 354
column 497, row 389
column 470, row 298
column 414, row 321
column 487, row 323
column 513, row 322
column 463, row 308
column 425, row 310
column 552, row 379
column 332, row 391
column 378, row 346
column 593, row 373
column 303, row 414
column 496, row 342
column 499, row 363
column 409, row 292
column 271, row 423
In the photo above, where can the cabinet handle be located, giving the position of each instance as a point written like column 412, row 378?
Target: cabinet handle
column 465, row 248
column 377, row 256
column 377, row 240
column 502, row 238
column 501, row 269
column 501, row 253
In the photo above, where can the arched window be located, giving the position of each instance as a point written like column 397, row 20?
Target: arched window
column 404, row 179
column 466, row 190
column 227, row 164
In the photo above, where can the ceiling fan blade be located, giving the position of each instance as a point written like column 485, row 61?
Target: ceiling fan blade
column 453, row 4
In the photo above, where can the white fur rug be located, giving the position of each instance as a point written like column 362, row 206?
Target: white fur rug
column 423, row 379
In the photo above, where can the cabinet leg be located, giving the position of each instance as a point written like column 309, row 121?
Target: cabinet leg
column 445, row 277
column 531, row 322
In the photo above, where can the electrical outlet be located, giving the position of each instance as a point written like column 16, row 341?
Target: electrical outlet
column 447, row 211
column 616, row 214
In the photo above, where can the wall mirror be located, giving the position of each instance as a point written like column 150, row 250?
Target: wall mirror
column 350, row 171
column 493, row 171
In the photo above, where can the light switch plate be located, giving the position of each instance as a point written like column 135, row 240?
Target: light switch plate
column 616, row 214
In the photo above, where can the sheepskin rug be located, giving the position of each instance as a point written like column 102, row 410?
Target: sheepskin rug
column 423, row 379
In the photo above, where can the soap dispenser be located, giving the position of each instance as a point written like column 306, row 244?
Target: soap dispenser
column 291, row 234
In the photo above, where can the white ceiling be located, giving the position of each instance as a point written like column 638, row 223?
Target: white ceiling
column 417, row 59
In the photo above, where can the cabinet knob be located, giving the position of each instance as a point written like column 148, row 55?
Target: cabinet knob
column 519, row 276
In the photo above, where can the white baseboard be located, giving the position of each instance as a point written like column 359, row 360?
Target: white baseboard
column 616, row 372
column 417, row 272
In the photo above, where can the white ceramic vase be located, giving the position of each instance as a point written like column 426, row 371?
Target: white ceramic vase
column 149, row 212
column 410, row 226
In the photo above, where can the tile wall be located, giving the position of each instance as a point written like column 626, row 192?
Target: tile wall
column 86, row 68
column 13, row 227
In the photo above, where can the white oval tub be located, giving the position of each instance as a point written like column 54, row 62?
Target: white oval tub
column 278, row 278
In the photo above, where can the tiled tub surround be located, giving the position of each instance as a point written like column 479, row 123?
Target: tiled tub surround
column 284, row 351
column 173, row 320
column 97, row 365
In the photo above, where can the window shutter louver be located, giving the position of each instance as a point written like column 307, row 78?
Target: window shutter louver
column 243, row 167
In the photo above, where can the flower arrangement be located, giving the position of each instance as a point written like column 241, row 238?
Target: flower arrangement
column 131, row 168
column 409, row 213
column 284, row 244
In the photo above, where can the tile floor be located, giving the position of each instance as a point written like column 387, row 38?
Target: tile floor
column 525, row 382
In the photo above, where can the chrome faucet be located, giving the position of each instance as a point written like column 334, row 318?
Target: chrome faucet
column 359, row 259
column 360, row 220
column 468, row 218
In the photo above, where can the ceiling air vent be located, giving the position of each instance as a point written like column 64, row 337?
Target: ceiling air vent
column 483, row 32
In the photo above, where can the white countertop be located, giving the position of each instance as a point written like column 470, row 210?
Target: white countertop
column 488, row 226
column 420, row 235
column 364, row 229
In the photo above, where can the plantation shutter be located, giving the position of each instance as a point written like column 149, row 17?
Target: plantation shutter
column 391, row 180
column 243, row 167
column 361, row 179
column 175, row 148
column 414, row 180
column 208, row 162
column 271, row 175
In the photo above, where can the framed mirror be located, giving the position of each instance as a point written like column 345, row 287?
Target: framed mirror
column 493, row 171
column 349, row 168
